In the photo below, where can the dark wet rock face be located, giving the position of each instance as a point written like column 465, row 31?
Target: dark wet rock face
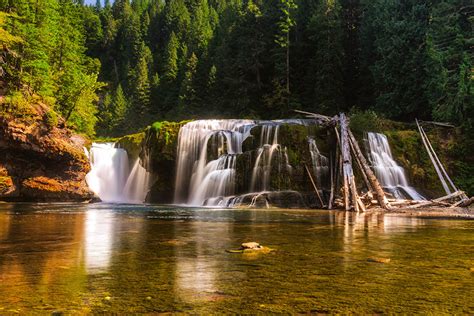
column 41, row 163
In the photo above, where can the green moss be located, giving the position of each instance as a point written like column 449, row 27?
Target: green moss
column 159, row 152
column 132, row 144
column 51, row 119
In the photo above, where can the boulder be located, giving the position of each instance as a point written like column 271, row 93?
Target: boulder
column 40, row 161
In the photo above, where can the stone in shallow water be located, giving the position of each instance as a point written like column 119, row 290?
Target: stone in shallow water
column 251, row 248
column 379, row 260
column 250, row 245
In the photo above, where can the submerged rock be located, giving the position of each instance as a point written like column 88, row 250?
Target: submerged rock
column 251, row 248
column 250, row 245
column 379, row 260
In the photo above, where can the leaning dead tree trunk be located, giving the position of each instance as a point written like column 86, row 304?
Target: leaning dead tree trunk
column 433, row 160
column 314, row 186
column 350, row 189
column 374, row 183
column 440, row 170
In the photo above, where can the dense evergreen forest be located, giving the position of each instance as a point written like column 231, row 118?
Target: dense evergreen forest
column 112, row 68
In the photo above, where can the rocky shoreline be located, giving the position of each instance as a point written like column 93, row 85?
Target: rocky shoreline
column 41, row 162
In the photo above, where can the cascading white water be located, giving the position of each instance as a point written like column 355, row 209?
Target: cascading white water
column 207, row 156
column 319, row 162
column 110, row 177
column 388, row 172
column 198, row 177
column 263, row 165
column 137, row 185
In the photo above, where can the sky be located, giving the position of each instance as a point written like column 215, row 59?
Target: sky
column 94, row 1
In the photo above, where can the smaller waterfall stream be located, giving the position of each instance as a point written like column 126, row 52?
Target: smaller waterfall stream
column 389, row 173
column 111, row 178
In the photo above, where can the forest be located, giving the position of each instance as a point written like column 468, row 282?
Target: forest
column 115, row 67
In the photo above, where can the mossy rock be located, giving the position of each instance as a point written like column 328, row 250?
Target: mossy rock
column 159, row 154
column 132, row 144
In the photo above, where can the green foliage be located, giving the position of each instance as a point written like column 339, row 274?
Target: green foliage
column 16, row 104
column 6, row 38
column 171, row 59
column 201, row 58
column 47, row 60
column 51, row 119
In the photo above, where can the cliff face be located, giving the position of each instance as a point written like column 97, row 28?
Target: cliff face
column 41, row 162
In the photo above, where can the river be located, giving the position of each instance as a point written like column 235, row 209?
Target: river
column 92, row 258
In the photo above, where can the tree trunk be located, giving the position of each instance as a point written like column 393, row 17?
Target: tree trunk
column 370, row 175
column 347, row 164
column 314, row 186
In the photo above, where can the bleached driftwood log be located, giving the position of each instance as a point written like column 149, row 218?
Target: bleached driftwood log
column 374, row 183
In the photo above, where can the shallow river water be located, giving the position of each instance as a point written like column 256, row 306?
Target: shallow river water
column 81, row 258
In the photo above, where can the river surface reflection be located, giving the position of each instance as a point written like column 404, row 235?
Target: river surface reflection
column 82, row 258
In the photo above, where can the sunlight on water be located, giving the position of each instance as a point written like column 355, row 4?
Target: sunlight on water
column 79, row 258
column 99, row 240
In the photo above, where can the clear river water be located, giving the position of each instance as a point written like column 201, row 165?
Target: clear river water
column 93, row 258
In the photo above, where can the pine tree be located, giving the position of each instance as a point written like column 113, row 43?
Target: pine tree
column 140, row 96
column 404, row 72
column 120, row 110
column 324, row 80
column 201, row 30
column 171, row 59
column 188, row 93
column 282, row 38
column 450, row 34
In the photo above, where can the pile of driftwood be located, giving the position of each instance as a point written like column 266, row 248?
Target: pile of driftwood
column 342, row 172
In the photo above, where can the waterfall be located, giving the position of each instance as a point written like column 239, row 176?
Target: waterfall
column 111, row 178
column 263, row 165
column 206, row 165
column 388, row 172
column 208, row 153
column 319, row 162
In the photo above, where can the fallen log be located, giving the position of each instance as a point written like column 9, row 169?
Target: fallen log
column 318, row 116
column 428, row 204
column 439, row 124
column 468, row 202
column 359, row 164
column 449, row 196
column 370, row 174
